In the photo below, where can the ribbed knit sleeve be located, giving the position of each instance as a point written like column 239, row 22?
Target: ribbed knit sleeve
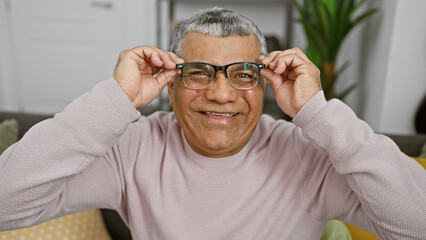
column 390, row 186
column 49, row 172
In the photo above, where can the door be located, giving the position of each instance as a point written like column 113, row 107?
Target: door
column 63, row 48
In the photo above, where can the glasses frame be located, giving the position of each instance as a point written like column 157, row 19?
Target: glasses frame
column 223, row 68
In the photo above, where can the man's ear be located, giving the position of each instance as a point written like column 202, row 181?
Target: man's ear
column 170, row 89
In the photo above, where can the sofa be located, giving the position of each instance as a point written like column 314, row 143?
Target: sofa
column 409, row 144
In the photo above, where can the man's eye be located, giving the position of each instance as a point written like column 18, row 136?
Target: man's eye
column 199, row 73
column 244, row 75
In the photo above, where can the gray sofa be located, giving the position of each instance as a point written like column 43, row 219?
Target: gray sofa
column 409, row 144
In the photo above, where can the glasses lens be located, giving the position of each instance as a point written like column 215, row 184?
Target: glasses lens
column 197, row 75
column 243, row 75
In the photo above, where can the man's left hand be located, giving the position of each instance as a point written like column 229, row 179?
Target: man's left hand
column 293, row 77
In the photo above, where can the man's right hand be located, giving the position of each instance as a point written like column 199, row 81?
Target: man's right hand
column 135, row 72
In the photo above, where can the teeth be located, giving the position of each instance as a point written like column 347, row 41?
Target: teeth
column 221, row 114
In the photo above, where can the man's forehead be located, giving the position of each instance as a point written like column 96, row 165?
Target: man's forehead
column 199, row 45
column 193, row 36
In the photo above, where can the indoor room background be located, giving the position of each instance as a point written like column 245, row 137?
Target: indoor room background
column 52, row 51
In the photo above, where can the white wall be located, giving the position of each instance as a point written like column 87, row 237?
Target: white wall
column 395, row 71
column 9, row 91
column 374, row 53
column 406, row 83
column 138, row 26
column 139, row 23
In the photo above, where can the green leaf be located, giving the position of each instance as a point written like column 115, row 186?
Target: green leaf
column 344, row 8
column 324, row 20
column 301, row 11
column 326, row 24
column 314, row 56
column 311, row 11
column 331, row 6
column 315, row 40
column 361, row 18
column 355, row 7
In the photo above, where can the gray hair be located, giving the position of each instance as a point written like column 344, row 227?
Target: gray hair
column 218, row 22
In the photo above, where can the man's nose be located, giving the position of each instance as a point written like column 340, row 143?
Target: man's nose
column 220, row 91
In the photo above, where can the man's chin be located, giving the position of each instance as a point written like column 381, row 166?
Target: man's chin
column 222, row 147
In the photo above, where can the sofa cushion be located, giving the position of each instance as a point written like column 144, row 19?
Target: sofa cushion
column 25, row 120
column 335, row 230
column 82, row 225
column 409, row 144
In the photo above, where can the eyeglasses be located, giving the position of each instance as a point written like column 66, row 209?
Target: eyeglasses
column 240, row 75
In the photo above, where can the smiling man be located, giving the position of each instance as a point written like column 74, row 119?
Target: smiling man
column 215, row 167
column 218, row 120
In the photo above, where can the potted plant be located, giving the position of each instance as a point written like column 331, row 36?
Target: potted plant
column 326, row 24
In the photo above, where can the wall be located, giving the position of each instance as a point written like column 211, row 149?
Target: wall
column 139, row 23
column 395, row 72
column 9, row 92
column 376, row 55
column 406, row 83
column 134, row 24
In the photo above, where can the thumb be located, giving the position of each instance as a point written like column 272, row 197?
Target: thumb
column 165, row 76
column 273, row 79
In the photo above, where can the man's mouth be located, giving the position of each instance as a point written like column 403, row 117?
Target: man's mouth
column 219, row 115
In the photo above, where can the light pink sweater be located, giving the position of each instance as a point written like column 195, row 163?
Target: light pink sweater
column 285, row 184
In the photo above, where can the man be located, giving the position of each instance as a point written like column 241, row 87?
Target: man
column 214, row 168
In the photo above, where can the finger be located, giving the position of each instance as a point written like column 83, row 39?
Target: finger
column 275, row 54
column 297, row 52
column 288, row 62
column 143, row 52
column 165, row 76
column 271, row 56
column 168, row 63
column 273, row 79
column 150, row 54
column 175, row 58
column 154, row 57
column 281, row 65
column 153, row 69
column 168, row 59
column 270, row 60
column 291, row 75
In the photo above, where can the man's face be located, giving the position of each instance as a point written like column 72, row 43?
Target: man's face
column 217, row 121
